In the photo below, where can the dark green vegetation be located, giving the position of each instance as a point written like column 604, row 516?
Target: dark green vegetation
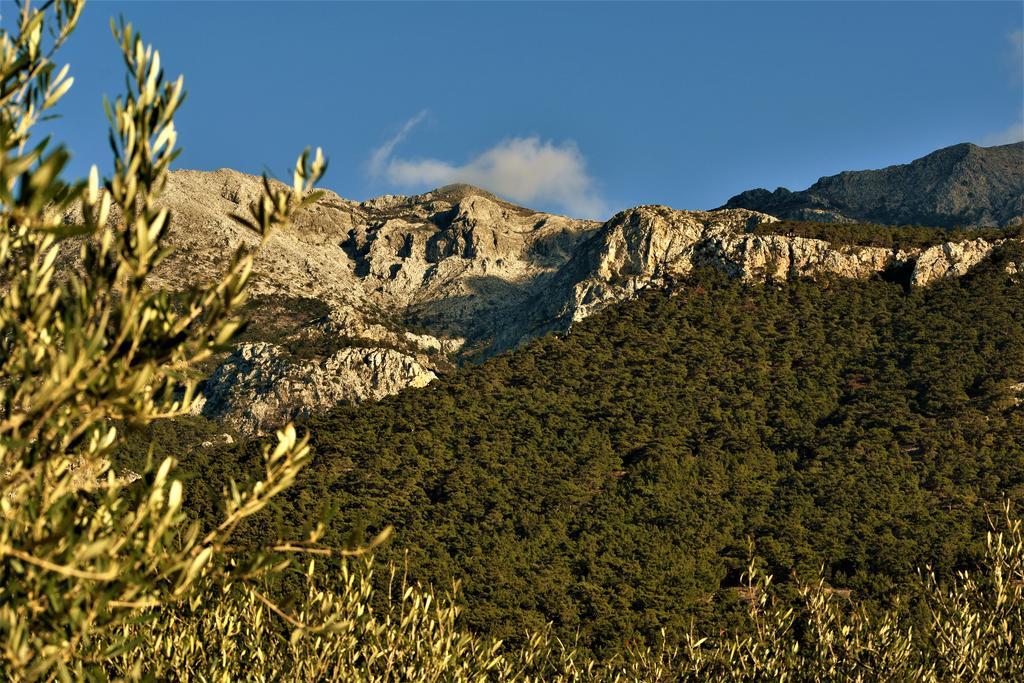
column 888, row 236
column 610, row 480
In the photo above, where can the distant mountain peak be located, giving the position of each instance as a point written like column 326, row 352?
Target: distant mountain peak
column 458, row 191
column 963, row 185
column 456, row 194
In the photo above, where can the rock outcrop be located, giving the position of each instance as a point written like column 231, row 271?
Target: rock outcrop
column 959, row 186
column 260, row 386
column 951, row 259
column 654, row 245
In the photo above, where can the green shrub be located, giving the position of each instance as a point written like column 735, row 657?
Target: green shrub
column 972, row 633
column 83, row 349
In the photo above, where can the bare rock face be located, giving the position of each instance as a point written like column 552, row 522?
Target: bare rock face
column 963, row 185
column 643, row 247
column 1017, row 393
column 411, row 286
column 653, row 245
column 345, row 324
column 260, row 387
column 778, row 258
column 358, row 300
column 951, row 259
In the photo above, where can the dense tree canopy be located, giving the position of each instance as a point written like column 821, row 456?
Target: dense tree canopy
column 890, row 236
column 615, row 480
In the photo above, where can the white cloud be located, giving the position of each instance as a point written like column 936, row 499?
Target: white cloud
column 380, row 156
column 1015, row 133
column 526, row 170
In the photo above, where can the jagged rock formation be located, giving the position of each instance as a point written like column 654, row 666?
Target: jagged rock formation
column 410, row 286
column 951, row 259
column 963, row 185
column 358, row 300
column 653, row 245
column 260, row 386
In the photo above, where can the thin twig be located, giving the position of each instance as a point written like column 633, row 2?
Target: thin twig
column 108, row 575
column 135, row 604
column 277, row 610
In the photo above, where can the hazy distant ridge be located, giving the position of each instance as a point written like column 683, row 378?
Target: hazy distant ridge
column 963, row 185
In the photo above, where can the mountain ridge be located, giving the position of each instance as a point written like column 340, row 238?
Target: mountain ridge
column 961, row 185
column 359, row 300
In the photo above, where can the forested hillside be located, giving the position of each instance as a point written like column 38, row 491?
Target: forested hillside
column 615, row 480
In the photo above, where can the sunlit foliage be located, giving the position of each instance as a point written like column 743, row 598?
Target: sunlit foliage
column 83, row 349
column 103, row 576
column 971, row 633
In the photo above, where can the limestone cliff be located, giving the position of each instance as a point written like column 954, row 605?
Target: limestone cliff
column 951, row 259
column 651, row 246
column 259, row 386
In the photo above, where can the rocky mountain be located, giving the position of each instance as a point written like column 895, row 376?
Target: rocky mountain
column 358, row 300
column 959, row 186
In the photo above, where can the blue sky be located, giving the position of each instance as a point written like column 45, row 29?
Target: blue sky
column 581, row 108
